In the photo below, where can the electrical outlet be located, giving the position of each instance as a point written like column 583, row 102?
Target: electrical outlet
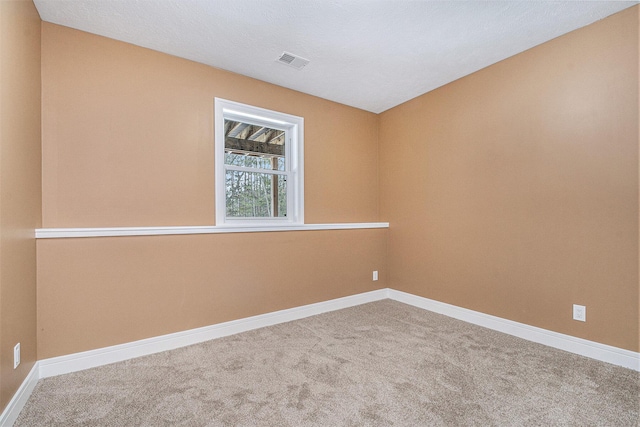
column 16, row 356
column 375, row 275
column 579, row 312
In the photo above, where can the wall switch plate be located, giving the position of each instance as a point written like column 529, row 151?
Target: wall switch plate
column 16, row 356
column 579, row 312
column 375, row 275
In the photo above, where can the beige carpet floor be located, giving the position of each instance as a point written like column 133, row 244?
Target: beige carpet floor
column 378, row 364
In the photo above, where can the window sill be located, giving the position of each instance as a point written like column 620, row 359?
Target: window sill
column 62, row 233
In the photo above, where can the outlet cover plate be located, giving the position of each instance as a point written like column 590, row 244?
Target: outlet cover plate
column 16, row 356
column 579, row 312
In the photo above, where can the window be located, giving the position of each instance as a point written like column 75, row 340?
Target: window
column 259, row 166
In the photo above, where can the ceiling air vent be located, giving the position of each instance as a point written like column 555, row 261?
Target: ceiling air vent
column 292, row 60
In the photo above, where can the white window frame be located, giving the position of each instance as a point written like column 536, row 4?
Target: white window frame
column 294, row 163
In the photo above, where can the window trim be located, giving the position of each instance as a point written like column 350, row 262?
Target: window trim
column 294, row 149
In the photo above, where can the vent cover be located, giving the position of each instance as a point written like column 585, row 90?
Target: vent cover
column 292, row 60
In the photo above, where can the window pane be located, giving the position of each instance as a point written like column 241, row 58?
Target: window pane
column 282, row 196
column 252, row 195
column 249, row 161
column 254, row 146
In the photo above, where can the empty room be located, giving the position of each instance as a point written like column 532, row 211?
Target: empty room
column 319, row 213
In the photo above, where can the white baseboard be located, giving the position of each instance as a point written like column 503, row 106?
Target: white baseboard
column 103, row 356
column 591, row 349
column 11, row 412
column 89, row 359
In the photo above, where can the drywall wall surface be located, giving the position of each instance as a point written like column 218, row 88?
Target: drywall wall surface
column 20, row 188
column 514, row 191
column 128, row 138
column 97, row 292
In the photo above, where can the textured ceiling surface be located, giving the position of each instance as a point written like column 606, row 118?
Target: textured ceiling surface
column 370, row 54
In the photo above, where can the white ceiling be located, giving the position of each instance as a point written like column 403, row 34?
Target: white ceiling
column 370, row 54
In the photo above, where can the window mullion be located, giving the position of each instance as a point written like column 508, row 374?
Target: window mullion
column 254, row 170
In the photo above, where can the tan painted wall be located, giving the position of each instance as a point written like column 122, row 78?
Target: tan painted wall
column 20, row 192
column 128, row 138
column 514, row 191
column 94, row 293
column 128, row 141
